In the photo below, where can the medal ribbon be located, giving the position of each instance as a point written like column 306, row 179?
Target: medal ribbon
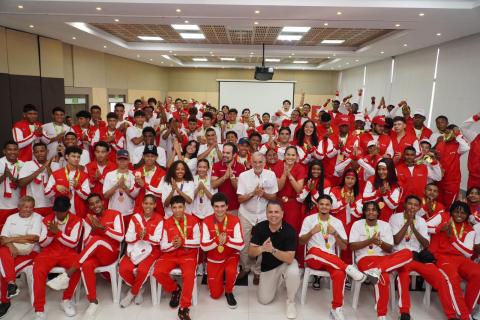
column 183, row 233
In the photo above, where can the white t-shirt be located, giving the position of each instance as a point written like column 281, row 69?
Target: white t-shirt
column 254, row 210
column 201, row 206
column 18, row 226
column 138, row 155
column 84, row 159
column 187, row 187
column 121, row 201
column 36, row 188
column 317, row 240
column 51, row 130
column 9, row 194
column 360, row 231
column 133, row 132
column 397, row 221
column 213, row 156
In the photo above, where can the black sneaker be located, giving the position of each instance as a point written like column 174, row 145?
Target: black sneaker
column 12, row 290
column 175, row 299
column 232, row 303
column 316, row 283
column 184, row 314
column 4, row 309
column 404, row 316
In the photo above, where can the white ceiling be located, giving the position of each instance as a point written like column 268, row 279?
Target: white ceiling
column 57, row 19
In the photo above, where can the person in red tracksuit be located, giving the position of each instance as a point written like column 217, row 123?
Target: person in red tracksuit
column 222, row 239
column 451, row 146
column 180, row 242
column 59, row 239
column 372, row 241
column 378, row 135
column 102, row 236
column 327, row 145
column 411, row 232
column 111, row 135
column 98, row 168
column 455, row 248
column 143, row 249
column 27, row 131
column 417, row 126
column 323, row 233
column 473, row 138
column 401, row 138
column 84, row 130
column 383, row 187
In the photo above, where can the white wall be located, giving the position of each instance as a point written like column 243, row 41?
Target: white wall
column 457, row 81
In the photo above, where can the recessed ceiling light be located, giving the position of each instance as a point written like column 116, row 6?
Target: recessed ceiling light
column 170, row 51
column 300, row 61
column 439, row 34
column 289, row 56
column 227, row 59
column 331, row 41
column 20, row 6
column 356, row 60
column 178, row 10
column 251, row 52
column 257, row 11
column 151, row 59
column 105, row 47
column 421, row 14
column 200, row 59
column 328, row 57
column 166, row 56
column 116, row 20
column 150, row 38
column 138, row 56
column 192, row 35
column 31, row 26
column 175, row 54
column 397, row 25
column 255, row 23
column 405, row 45
column 289, row 37
column 98, row 8
column 382, row 52
column 339, row 13
column 347, row 63
column 296, row 29
column 161, row 62
column 325, row 24
column 186, row 21
column 185, row 27
column 293, row 53
column 74, row 38
column 272, row 60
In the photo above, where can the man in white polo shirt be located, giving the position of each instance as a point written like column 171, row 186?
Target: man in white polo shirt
column 255, row 188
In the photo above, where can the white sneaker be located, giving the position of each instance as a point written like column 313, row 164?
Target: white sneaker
column 139, row 297
column 40, row 316
column 69, row 308
column 91, row 312
column 291, row 309
column 382, row 318
column 60, row 282
column 373, row 275
column 354, row 273
column 337, row 314
column 476, row 314
column 125, row 302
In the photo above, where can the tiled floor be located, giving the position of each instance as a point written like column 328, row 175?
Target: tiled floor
column 316, row 307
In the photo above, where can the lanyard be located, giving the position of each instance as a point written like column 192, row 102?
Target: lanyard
column 367, row 230
column 431, row 209
column 184, row 233
column 345, row 193
column 217, row 232
column 146, row 173
column 408, row 235
column 455, row 230
column 64, row 220
column 76, row 176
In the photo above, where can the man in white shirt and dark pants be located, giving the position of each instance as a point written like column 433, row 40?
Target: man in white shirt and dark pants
column 255, row 188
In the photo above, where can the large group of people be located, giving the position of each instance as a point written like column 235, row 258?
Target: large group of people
column 184, row 185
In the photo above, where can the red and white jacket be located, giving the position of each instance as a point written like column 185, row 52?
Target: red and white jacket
column 327, row 152
column 390, row 200
column 209, row 241
column 190, row 243
column 414, row 179
column 118, row 143
column 138, row 249
column 114, row 230
column 91, row 168
column 152, row 186
column 67, row 239
column 451, row 245
column 24, row 134
column 346, row 212
column 383, row 141
column 89, row 134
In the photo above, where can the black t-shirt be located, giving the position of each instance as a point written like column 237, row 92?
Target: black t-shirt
column 285, row 239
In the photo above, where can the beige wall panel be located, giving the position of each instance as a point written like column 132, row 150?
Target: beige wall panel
column 51, row 58
column 88, row 68
column 144, row 76
column 100, row 98
column 68, row 65
column 3, row 51
column 116, row 70
column 206, row 96
column 138, row 93
column 22, row 50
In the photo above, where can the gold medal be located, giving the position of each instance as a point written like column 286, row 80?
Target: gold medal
column 220, row 249
column 370, row 251
column 381, row 205
column 285, row 199
column 327, row 245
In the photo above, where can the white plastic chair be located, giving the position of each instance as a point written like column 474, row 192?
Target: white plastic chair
column 28, row 271
column 178, row 272
column 426, row 296
column 312, row 272
column 356, row 286
column 153, row 285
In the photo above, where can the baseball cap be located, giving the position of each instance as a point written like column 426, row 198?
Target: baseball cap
column 425, row 141
column 359, row 117
column 243, row 141
column 380, row 120
column 122, row 153
column 342, row 120
column 150, row 149
column 61, row 204
column 371, row 143
column 419, row 112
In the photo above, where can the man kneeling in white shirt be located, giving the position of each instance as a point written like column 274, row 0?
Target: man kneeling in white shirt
column 322, row 233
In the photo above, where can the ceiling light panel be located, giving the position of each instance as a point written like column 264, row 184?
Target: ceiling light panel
column 227, row 59
column 332, row 41
column 192, row 35
column 295, row 29
column 200, row 59
column 150, row 38
column 272, row 60
column 185, row 27
column 300, row 61
column 289, row 37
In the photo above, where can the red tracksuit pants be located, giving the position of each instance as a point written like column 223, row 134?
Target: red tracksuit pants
column 45, row 261
column 386, row 264
column 9, row 267
column 320, row 260
column 216, row 273
column 97, row 253
column 456, row 268
column 136, row 275
column 187, row 264
column 433, row 276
